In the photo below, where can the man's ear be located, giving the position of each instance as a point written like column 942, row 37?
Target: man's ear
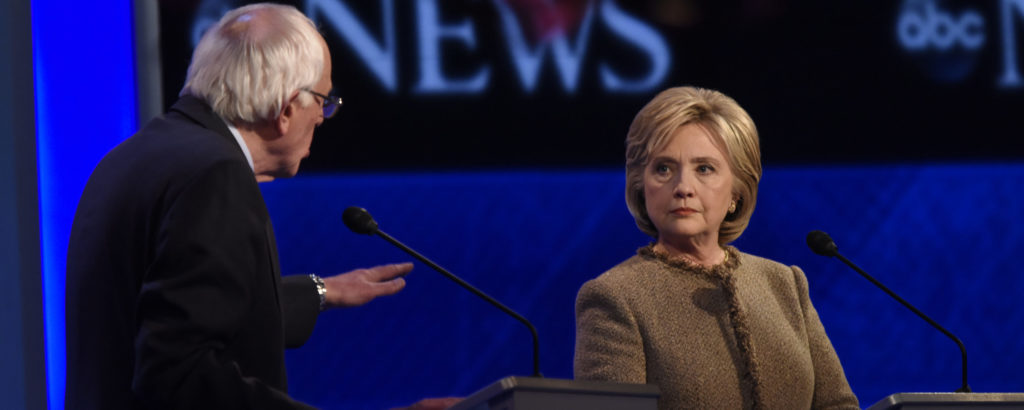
column 284, row 119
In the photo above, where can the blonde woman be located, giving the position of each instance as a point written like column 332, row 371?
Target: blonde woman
column 713, row 327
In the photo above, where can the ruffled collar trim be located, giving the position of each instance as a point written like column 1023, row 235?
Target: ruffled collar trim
column 726, row 267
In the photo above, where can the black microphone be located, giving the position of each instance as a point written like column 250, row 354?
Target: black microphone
column 823, row 245
column 359, row 221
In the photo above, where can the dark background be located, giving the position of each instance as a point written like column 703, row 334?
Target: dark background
column 825, row 82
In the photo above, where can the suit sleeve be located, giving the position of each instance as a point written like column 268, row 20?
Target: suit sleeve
column 831, row 390
column 198, row 291
column 301, row 306
column 608, row 342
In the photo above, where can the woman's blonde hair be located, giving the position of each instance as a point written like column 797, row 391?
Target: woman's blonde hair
column 724, row 120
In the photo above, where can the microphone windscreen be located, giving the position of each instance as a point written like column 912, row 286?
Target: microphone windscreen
column 358, row 220
column 822, row 244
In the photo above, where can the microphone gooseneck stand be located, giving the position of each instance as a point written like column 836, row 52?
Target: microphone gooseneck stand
column 823, row 245
column 359, row 221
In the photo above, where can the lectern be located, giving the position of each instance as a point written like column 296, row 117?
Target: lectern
column 950, row 401
column 537, row 393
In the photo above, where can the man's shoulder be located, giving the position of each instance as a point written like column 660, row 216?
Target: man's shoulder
column 175, row 131
column 168, row 151
column 174, row 138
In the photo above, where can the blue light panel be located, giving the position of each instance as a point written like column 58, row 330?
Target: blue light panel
column 85, row 104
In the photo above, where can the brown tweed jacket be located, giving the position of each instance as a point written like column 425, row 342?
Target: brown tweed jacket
column 742, row 334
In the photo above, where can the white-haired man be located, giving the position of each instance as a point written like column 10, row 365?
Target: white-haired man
column 174, row 295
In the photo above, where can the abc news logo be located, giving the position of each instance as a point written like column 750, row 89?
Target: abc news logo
column 929, row 27
column 946, row 41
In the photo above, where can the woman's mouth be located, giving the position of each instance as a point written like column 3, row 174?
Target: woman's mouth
column 683, row 211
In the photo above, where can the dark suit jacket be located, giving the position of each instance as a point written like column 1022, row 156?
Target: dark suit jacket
column 174, row 295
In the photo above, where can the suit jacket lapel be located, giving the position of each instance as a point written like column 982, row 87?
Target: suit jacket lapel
column 200, row 113
column 272, row 245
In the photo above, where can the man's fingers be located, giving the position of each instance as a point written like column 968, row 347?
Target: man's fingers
column 358, row 287
column 390, row 287
column 388, row 272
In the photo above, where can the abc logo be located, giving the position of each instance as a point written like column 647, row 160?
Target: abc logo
column 923, row 25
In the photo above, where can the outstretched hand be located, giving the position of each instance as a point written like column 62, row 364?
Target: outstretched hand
column 360, row 286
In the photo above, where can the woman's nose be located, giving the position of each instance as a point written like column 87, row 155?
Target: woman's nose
column 684, row 186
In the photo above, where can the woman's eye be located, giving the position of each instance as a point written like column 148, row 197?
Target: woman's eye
column 662, row 169
column 705, row 169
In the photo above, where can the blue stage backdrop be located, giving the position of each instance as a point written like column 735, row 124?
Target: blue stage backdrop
column 827, row 82
column 943, row 236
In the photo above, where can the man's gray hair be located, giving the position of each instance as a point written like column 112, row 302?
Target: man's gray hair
column 253, row 61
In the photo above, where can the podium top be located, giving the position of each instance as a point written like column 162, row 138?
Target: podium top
column 570, row 386
column 573, row 391
column 908, row 401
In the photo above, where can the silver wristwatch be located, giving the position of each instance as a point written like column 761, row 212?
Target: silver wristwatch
column 321, row 290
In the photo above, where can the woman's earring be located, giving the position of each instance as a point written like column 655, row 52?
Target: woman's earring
column 732, row 207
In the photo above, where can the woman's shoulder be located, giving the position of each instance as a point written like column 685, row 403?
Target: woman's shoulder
column 759, row 263
column 626, row 271
column 621, row 278
column 770, row 269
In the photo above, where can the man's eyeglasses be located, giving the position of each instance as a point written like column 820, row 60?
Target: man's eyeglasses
column 330, row 103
